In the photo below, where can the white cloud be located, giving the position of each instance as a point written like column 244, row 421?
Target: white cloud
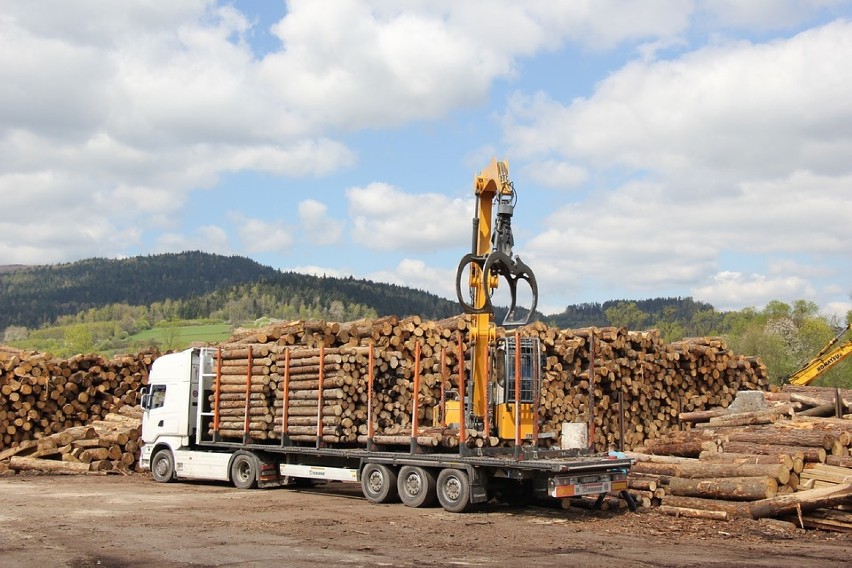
column 415, row 273
column 735, row 290
column 557, row 174
column 386, row 218
column 762, row 14
column 314, row 270
column 207, row 238
column 735, row 149
column 319, row 228
column 732, row 111
column 258, row 235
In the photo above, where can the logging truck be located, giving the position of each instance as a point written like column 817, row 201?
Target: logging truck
column 213, row 413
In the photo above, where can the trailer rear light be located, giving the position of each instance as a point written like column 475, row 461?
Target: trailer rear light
column 573, row 486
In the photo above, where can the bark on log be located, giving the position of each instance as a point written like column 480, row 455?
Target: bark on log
column 693, row 513
column 19, row 463
column 731, row 488
column 802, row 500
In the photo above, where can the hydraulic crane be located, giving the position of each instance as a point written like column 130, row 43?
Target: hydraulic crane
column 505, row 373
column 824, row 361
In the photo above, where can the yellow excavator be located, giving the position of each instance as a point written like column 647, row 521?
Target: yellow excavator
column 825, row 360
column 504, row 372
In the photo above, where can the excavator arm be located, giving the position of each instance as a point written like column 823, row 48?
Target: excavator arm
column 492, row 258
column 491, row 255
column 824, row 361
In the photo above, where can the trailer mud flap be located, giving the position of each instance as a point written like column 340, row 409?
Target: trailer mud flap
column 478, row 485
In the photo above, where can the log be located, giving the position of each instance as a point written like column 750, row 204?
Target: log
column 693, row 513
column 790, row 461
column 735, row 509
column 839, row 461
column 808, row 454
column 802, row 500
column 20, row 463
column 730, row 488
column 702, row 469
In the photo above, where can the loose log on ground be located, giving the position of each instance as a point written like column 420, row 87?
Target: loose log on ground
column 693, row 513
column 19, row 463
column 731, row 488
column 802, row 500
column 735, row 509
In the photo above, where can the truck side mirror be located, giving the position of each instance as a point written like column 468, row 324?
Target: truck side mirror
column 146, row 399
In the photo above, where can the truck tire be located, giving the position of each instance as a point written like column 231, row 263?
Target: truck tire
column 454, row 490
column 378, row 483
column 416, row 486
column 163, row 466
column 244, row 468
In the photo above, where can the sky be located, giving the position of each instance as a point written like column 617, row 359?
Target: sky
column 658, row 148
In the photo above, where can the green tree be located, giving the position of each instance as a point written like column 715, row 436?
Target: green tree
column 78, row 339
column 626, row 314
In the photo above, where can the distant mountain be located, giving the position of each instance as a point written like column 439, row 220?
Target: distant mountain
column 33, row 296
column 589, row 314
column 11, row 267
column 197, row 285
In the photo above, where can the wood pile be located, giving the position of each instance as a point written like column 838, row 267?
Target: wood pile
column 41, row 395
column 770, row 462
column 589, row 375
column 653, row 381
column 110, row 444
column 283, row 364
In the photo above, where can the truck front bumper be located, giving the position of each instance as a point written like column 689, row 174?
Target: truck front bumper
column 145, row 456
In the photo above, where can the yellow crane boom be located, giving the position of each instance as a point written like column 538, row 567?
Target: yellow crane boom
column 825, row 360
column 492, row 258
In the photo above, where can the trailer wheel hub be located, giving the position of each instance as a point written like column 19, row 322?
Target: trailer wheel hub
column 453, row 488
column 376, row 481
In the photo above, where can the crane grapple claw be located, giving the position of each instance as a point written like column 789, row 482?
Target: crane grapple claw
column 498, row 264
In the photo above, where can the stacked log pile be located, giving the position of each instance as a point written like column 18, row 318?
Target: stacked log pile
column 653, row 381
column 769, row 462
column 41, row 395
column 110, row 444
column 286, row 362
column 590, row 375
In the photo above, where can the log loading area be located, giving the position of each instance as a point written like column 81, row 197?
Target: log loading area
column 699, row 456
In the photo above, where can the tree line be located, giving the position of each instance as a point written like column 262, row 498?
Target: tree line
column 114, row 299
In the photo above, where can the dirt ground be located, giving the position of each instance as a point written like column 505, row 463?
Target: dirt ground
column 81, row 521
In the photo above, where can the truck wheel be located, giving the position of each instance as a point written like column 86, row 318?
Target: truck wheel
column 416, row 486
column 244, row 471
column 378, row 483
column 163, row 466
column 454, row 490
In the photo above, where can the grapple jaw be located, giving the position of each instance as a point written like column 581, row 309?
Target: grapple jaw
column 482, row 271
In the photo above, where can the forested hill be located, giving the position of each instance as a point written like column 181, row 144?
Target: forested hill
column 655, row 309
column 197, row 285
column 200, row 285
column 36, row 295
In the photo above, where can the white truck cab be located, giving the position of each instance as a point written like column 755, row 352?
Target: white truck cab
column 170, row 419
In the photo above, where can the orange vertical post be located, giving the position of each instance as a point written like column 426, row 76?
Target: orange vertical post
column 285, row 396
column 415, row 407
column 218, row 389
column 246, row 424
column 370, row 427
column 319, row 394
column 485, row 416
column 517, row 389
column 444, row 373
column 462, row 415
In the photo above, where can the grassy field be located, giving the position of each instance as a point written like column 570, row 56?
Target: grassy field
column 180, row 336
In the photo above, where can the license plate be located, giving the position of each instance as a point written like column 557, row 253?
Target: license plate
column 583, row 489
